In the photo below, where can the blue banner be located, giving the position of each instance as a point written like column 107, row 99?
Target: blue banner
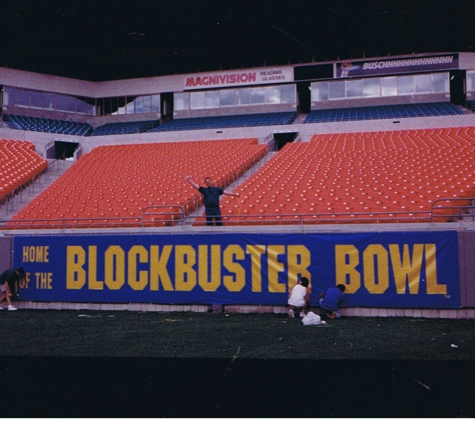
column 394, row 270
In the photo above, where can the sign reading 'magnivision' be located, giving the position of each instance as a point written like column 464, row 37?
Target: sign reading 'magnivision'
column 236, row 78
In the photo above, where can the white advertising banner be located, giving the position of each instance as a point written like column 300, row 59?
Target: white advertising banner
column 237, row 78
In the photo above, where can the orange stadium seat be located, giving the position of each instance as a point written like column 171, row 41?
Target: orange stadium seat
column 368, row 177
column 115, row 184
column 19, row 164
column 391, row 176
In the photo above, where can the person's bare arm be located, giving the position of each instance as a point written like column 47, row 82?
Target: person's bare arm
column 227, row 192
column 195, row 185
column 290, row 292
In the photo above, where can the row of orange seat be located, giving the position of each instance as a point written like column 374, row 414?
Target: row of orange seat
column 392, row 174
column 19, row 163
column 370, row 177
column 117, row 184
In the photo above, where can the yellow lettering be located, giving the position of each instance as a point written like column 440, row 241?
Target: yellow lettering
column 35, row 253
column 298, row 259
column 405, row 270
column 44, row 280
column 93, row 283
column 431, row 272
column 256, row 251
column 206, row 284
column 274, row 268
column 158, row 268
column 25, row 281
column 234, row 284
column 41, row 253
column 376, row 255
column 75, row 273
column 185, row 275
column 114, row 267
column 346, row 261
column 134, row 252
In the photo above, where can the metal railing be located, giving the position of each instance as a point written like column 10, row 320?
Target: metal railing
column 163, row 215
column 442, row 210
column 323, row 218
column 7, row 201
column 453, row 209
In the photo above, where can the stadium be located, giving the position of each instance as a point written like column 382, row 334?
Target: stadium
column 357, row 173
column 347, row 129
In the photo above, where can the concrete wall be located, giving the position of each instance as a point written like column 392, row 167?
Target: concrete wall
column 305, row 131
column 49, row 83
column 467, row 268
column 107, row 89
column 466, row 246
column 5, row 253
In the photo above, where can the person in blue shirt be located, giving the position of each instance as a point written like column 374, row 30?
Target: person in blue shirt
column 211, row 196
column 331, row 301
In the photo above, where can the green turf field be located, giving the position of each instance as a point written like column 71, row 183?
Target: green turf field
column 244, row 336
column 135, row 364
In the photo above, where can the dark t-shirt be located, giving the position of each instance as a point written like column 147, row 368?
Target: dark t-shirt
column 211, row 196
column 9, row 275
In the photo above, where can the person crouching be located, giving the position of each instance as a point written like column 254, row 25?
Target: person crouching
column 299, row 298
column 331, row 301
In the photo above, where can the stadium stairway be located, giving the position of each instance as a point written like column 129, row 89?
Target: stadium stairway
column 55, row 169
column 300, row 118
column 114, row 184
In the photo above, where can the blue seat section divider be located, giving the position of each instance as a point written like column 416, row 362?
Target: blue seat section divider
column 396, row 111
column 217, row 122
column 125, row 128
column 39, row 124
